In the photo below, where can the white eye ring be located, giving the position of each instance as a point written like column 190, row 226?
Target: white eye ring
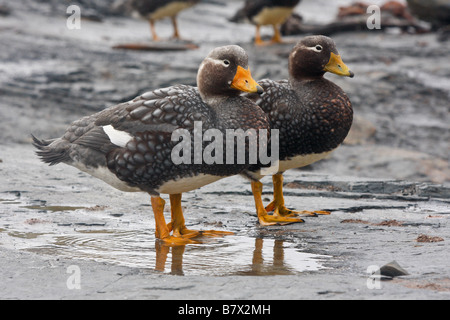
column 317, row 48
column 226, row 63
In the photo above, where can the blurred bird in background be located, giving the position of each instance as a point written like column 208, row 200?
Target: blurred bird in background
column 154, row 10
column 266, row 13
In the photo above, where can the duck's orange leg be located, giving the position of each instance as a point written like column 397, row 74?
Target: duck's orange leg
column 276, row 35
column 264, row 218
column 176, row 33
column 162, row 229
column 178, row 223
column 277, row 205
column 153, row 30
column 258, row 40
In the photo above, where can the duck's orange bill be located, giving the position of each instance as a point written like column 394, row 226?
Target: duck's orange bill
column 337, row 66
column 243, row 81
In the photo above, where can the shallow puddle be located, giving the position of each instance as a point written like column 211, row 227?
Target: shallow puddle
column 230, row 255
column 53, row 208
column 34, row 229
column 13, row 200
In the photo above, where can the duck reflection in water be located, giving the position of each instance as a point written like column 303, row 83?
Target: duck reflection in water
column 278, row 266
column 162, row 250
column 259, row 265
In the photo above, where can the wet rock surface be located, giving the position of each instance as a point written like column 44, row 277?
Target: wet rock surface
column 60, row 218
column 390, row 179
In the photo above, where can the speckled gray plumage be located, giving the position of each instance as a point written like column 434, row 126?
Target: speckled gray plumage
column 145, row 162
column 150, row 119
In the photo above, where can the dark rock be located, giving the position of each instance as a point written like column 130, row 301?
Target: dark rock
column 433, row 191
column 4, row 11
column 379, row 189
column 444, row 33
column 435, row 11
column 392, row 270
column 159, row 46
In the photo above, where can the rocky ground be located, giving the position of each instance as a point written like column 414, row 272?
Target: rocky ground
column 388, row 185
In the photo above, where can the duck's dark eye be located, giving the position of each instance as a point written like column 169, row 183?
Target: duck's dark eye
column 226, row 63
column 319, row 48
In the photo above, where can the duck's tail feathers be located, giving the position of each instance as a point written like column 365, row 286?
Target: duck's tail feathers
column 50, row 152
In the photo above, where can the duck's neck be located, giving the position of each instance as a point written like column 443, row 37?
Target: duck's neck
column 298, row 82
column 225, row 107
column 234, row 112
column 215, row 102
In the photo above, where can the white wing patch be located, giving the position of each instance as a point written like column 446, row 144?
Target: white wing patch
column 117, row 137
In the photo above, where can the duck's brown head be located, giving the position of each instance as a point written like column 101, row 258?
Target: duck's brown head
column 313, row 56
column 225, row 73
